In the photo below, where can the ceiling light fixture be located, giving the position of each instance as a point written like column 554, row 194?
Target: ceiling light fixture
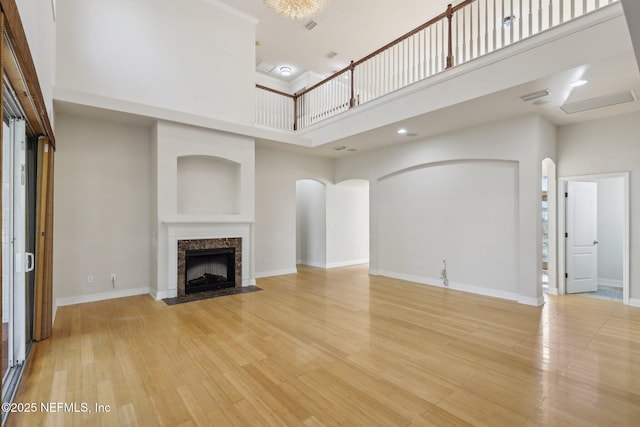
column 402, row 131
column 296, row 9
column 286, row 71
column 578, row 83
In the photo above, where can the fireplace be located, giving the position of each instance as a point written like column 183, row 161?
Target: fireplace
column 209, row 264
column 209, row 269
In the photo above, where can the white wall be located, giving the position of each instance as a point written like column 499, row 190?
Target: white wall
column 605, row 146
column 523, row 140
column 348, row 223
column 311, row 223
column 102, row 209
column 277, row 172
column 464, row 212
column 632, row 15
column 610, row 231
column 202, row 63
column 40, row 28
column 338, row 214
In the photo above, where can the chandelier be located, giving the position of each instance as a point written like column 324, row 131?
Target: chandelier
column 296, row 9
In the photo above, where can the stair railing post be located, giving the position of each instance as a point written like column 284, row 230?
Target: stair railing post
column 295, row 112
column 450, row 31
column 352, row 100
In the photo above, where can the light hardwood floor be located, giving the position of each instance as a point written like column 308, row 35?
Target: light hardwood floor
column 340, row 347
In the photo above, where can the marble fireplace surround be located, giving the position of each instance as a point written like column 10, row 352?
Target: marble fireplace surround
column 203, row 231
column 220, row 243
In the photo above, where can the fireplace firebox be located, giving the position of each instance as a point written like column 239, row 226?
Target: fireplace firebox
column 209, row 269
column 223, row 250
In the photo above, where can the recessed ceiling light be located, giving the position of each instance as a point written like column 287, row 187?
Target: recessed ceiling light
column 402, row 131
column 339, row 148
column 578, row 83
column 352, row 149
column 286, row 71
column 542, row 101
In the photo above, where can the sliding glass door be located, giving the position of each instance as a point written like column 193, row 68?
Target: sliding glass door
column 18, row 225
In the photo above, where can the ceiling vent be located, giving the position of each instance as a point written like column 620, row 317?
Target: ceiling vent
column 265, row 67
column 600, row 102
column 535, row 95
column 310, row 25
column 332, row 54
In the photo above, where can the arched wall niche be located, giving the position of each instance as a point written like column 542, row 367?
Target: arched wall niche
column 208, row 185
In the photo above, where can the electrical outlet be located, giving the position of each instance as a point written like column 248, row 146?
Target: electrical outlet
column 89, row 279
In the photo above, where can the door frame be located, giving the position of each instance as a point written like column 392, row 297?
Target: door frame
column 562, row 226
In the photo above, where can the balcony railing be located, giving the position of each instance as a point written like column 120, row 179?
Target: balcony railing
column 461, row 33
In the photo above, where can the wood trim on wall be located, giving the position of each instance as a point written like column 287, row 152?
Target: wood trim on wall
column 45, row 318
column 20, row 46
column 41, row 232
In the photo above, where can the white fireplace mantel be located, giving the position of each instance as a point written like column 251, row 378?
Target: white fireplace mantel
column 192, row 228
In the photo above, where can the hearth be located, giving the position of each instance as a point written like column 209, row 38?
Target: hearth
column 209, row 269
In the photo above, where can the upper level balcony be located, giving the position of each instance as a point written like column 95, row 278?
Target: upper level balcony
column 459, row 35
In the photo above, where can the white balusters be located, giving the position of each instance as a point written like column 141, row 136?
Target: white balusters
column 274, row 109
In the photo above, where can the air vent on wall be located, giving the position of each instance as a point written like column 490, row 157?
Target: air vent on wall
column 600, row 102
column 535, row 95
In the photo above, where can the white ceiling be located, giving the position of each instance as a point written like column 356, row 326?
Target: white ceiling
column 351, row 28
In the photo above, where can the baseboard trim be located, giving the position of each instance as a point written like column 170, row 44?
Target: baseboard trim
column 272, row 273
column 464, row 287
column 614, row 283
column 81, row 299
column 634, row 302
column 533, row 301
column 313, row 263
column 347, row 263
column 172, row 293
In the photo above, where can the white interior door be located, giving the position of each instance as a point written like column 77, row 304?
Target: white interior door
column 582, row 235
